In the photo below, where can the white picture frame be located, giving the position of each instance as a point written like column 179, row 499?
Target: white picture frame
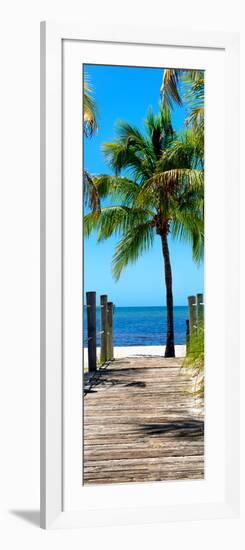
column 53, row 393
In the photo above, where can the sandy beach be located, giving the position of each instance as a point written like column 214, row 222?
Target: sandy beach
column 134, row 351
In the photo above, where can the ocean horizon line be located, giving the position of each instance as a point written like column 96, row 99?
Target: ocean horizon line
column 143, row 306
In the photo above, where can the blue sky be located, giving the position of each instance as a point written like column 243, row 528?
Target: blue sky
column 127, row 93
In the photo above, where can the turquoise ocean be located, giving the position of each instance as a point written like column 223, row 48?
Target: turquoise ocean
column 142, row 326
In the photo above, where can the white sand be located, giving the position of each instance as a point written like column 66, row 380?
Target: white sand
column 133, row 351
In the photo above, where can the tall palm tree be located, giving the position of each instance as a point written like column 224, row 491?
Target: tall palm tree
column 89, row 110
column 162, row 194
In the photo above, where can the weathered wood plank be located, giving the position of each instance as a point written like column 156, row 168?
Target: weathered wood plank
column 91, row 319
column 141, row 424
column 104, row 328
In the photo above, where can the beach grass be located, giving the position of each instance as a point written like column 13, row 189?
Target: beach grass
column 195, row 358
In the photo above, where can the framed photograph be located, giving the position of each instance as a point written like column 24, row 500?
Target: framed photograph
column 139, row 275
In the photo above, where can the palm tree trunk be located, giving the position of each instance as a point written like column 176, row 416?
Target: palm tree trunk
column 169, row 352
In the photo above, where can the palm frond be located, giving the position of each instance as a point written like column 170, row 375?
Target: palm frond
column 159, row 130
column 114, row 220
column 171, row 181
column 135, row 152
column 186, row 151
column 194, row 74
column 194, row 98
column 198, row 246
column 90, row 191
column 120, row 155
column 135, row 242
column 170, row 87
column 189, row 226
column 90, row 222
column 117, row 187
column 192, row 82
column 130, row 135
column 196, row 117
column 90, row 111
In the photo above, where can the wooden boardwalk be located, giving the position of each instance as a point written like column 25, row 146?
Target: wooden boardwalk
column 140, row 423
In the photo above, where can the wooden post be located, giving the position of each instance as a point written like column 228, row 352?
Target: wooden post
column 91, row 317
column 187, row 335
column 200, row 308
column 103, row 328
column 110, row 330
column 192, row 314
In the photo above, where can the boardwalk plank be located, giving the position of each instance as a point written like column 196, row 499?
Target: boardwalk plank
column 141, row 423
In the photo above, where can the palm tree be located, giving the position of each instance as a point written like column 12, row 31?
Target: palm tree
column 162, row 194
column 89, row 110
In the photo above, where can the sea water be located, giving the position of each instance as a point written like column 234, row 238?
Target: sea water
column 142, row 326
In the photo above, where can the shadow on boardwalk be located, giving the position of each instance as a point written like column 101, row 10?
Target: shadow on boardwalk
column 141, row 423
column 185, row 428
